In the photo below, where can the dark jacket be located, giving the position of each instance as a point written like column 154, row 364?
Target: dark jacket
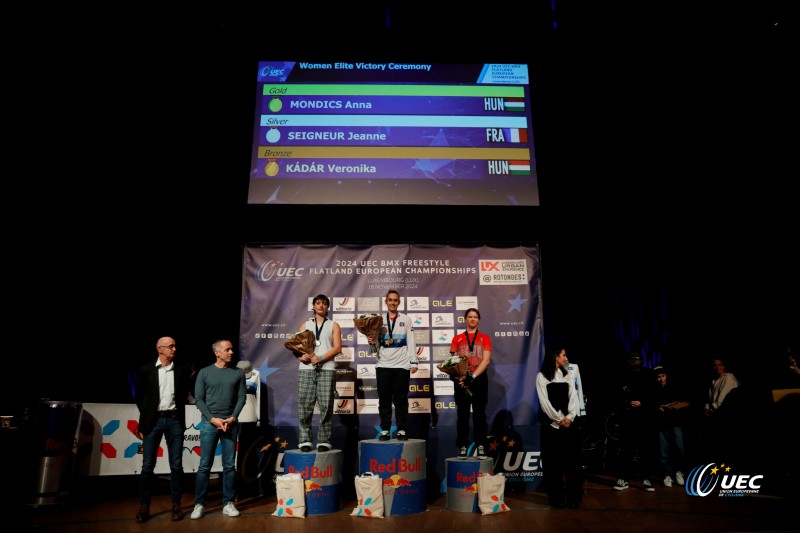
column 147, row 395
column 669, row 418
column 638, row 385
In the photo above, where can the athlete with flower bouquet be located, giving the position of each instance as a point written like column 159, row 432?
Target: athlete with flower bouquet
column 472, row 388
column 316, row 376
column 396, row 361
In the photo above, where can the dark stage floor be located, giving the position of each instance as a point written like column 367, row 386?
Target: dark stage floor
column 110, row 504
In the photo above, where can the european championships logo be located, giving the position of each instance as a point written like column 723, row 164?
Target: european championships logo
column 702, row 481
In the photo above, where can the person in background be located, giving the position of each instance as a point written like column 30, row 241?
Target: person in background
column 721, row 411
column 558, row 408
column 787, row 373
column 162, row 389
column 794, row 370
column 220, row 397
column 249, row 422
column 722, row 384
column 477, row 348
column 635, row 393
column 396, row 361
column 577, row 382
column 671, row 406
column 316, row 377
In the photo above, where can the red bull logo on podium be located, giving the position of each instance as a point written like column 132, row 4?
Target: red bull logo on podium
column 312, row 472
column 321, row 473
column 401, row 466
column 395, row 465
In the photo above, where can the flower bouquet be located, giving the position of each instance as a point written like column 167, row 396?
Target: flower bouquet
column 369, row 324
column 455, row 366
column 301, row 342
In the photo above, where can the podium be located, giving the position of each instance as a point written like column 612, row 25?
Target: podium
column 322, row 477
column 462, row 482
column 401, row 465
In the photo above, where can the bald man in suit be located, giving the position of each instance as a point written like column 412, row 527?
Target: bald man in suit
column 162, row 388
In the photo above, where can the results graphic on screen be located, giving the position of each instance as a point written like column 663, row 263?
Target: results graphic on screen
column 365, row 133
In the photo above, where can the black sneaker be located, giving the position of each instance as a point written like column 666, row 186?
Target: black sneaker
column 481, row 453
column 323, row 447
column 401, row 435
column 384, row 435
column 305, row 447
column 463, row 453
column 621, row 485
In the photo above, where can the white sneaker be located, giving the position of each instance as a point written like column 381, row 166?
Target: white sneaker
column 667, row 481
column 199, row 511
column 462, row 454
column 621, row 484
column 230, row 510
column 481, row 452
column 679, row 478
column 647, row 486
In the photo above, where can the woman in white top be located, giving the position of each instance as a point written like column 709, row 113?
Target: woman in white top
column 723, row 383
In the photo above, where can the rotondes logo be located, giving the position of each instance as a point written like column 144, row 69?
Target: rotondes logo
column 277, row 270
column 702, row 481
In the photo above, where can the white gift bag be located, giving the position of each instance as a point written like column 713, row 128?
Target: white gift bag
column 369, row 490
column 491, row 491
column 291, row 493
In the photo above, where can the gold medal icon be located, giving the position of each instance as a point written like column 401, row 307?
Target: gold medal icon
column 271, row 168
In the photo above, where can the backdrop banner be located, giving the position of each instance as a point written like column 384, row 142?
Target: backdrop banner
column 109, row 442
column 437, row 283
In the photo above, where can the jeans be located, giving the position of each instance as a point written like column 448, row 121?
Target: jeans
column 670, row 448
column 209, row 437
column 171, row 429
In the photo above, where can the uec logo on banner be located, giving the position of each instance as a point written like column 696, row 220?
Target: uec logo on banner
column 277, row 269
